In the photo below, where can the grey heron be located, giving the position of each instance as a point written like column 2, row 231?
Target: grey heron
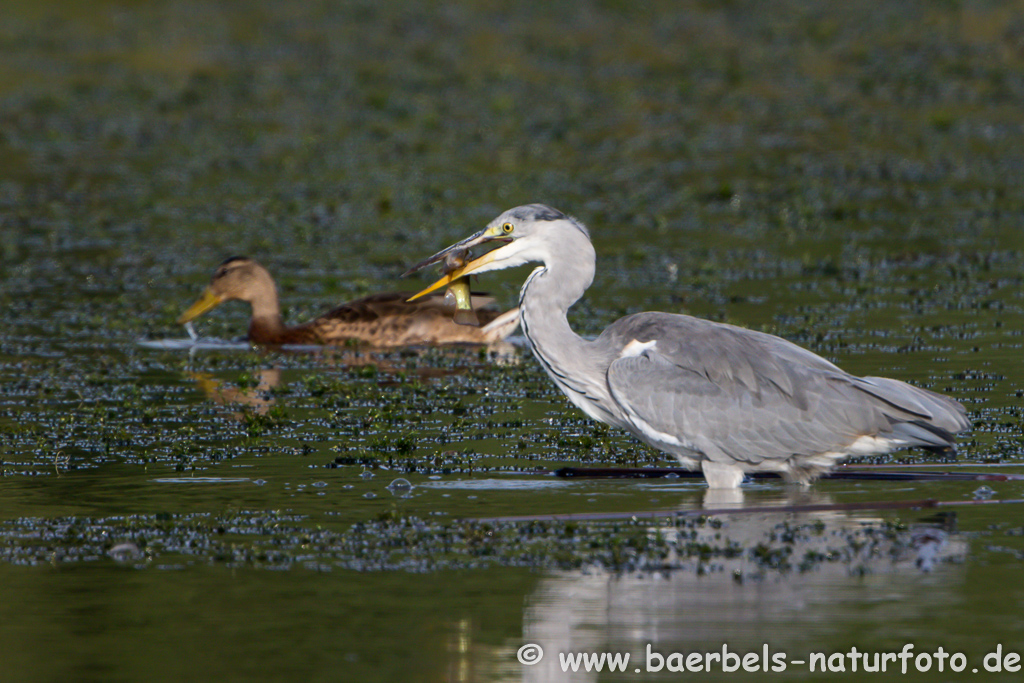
column 721, row 398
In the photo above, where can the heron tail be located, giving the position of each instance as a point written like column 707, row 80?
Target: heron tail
column 928, row 419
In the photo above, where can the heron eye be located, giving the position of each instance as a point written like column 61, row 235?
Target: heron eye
column 507, row 228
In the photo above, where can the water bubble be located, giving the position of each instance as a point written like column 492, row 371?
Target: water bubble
column 983, row 493
column 370, row 494
column 671, row 475
column 400, row 487
column 122, row 552
column 319, row 484
column 367, row 474
column 348, row 486
column 259, row 482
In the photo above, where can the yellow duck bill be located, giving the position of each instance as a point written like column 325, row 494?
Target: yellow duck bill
column 207, row 302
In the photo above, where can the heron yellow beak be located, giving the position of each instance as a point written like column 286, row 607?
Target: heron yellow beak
column 208, row 302
column 467, row 269
column 485, row 235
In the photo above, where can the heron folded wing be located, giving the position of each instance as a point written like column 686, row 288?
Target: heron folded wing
column 736, row 393
column 726, row 416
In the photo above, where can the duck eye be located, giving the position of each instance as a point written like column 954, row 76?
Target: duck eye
column 507, row 228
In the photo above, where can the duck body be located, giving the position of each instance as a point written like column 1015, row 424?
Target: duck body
column 383, row 320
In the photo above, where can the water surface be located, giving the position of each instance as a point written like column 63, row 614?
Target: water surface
column 845, row 177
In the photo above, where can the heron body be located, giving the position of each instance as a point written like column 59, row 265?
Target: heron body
column 381, row 320
column 721, row 398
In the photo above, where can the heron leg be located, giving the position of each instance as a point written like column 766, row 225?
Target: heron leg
column 721, row 476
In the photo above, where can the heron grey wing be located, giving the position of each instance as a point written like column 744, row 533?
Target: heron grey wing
column 730, row 391
column 723, row 353
column 720, row 418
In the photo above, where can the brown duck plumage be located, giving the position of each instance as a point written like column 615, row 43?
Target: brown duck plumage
column 384, row 319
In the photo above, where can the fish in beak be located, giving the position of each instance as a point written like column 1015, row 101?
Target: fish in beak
column 456, row 250
column 458, row 291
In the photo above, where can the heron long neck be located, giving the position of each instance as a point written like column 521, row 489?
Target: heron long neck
column 544, row 302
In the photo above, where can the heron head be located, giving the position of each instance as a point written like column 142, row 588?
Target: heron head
column 529, row 233
column 236, row 278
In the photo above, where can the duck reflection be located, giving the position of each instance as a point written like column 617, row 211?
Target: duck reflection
column 259, row 398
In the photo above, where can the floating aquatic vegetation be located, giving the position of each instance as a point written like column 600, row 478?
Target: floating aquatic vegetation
column 749, row 548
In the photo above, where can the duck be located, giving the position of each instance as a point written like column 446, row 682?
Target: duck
column 383, row 320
